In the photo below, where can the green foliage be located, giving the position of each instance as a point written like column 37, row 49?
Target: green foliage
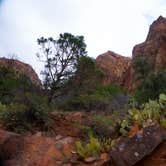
column 95, row 98
column 61, row 58
column 14, row 117
column 3, row 108
column 94, row 146
column 23, row 104
column 162, row 101
column 150, row 113
column 125, row 126
column 150, row 88
column 142, row 67
column 105, row 126
column 163, row 123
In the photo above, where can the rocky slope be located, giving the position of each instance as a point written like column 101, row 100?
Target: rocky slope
column 119, row 69
column 21, row 68
column 58, row 149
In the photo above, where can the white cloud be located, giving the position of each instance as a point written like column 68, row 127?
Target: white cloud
column 106, row 24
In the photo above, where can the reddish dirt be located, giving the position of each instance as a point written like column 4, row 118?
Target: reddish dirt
column 67, row 124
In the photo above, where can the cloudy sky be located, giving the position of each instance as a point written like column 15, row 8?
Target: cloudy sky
column 115, row 25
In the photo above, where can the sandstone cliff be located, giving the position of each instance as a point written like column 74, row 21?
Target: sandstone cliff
column 154, row 47
column 21, row 68
column 119, row 69
column 114, row 66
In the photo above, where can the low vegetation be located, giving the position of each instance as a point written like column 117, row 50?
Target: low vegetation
column 149, row 113
column 94, row 146
column 23, row 105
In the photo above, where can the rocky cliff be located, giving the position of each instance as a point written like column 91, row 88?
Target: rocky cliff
column 21, row 68
column 114, row 66
column 154, row 47
column 119, row 69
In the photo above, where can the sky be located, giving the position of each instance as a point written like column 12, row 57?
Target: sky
column 116, row 25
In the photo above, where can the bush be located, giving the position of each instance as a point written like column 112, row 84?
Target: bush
column 151, row 112
column 14, row 117
column 105, row 126
column 97, row 99
column 94, row 146
column 150, row 88
column 26, row 105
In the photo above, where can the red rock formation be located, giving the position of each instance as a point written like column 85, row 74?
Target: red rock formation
column 119, row 69
column 21, row 68
column 114, row 67
column 154, row 47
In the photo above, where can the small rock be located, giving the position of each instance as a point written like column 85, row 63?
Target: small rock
column 136, row 154
column 139, row 136
column 58, row 137
column 104, row 156
column 38, row 134
column 90, row 159
column 121, row 147
column 66, row 140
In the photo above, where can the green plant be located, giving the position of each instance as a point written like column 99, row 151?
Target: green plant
column 3, row 108
column 125, row 126
column 163, row 122
column 107, row 144
column 151, row 87
column 25, row 104
column 95, row 98
column 162, row 101
column 14, row 117
column 152, row 111
column 90, row 149
column 94, row 146
column 105, row 126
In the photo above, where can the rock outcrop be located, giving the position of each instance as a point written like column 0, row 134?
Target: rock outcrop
column 153, row 50
column 154, row 47
column 114, row 66
column 41, row 150
column 131, row 150
column 21, row 68
column 119, row 69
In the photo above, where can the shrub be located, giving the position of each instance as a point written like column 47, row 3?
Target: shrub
column 150, row 113
column 142, row 67
column 3, row 108
column 94, row 146
column 26, row 105
column 105, row 126
column 14, row 117
column 96, row 99
column 150, row 88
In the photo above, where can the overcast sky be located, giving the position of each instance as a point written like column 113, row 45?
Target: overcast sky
column 115, row 25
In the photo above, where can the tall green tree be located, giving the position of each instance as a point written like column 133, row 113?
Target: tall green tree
column 61, row 58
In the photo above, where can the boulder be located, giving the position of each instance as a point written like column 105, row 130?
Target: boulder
column 21, row 68
column 131, row 150
column 114, row 66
